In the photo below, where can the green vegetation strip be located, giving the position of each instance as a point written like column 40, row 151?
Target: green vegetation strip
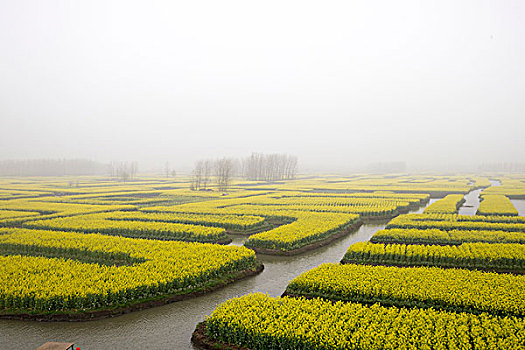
column 302, row 233
column 481, row 256
column 228, row 221
column 456, row 222
column 449, row 289
column 449, row 205
column 100, row 223
column 36, row 284
column 80, row 255
column 455, row 237
column 258, row 322
column 495, row 204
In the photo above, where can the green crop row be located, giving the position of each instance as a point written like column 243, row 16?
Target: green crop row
column 452, row 289
column 259, row 322
column 435, row 236
column 483, row 256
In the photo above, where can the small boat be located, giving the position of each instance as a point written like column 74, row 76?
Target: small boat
column 51, row 345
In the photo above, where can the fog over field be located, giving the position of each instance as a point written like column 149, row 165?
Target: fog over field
column 436, row 84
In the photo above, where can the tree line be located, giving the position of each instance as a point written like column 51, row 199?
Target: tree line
column 507, row 167
column 258, row 166
column 269, row 167
column 123, row 171
column 118, row 170
column 51, row 167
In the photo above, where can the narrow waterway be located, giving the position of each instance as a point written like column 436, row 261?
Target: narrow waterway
column 472, row 200
column 422, row 209
column 471, row 205
column 520, row 205
column 170, row 326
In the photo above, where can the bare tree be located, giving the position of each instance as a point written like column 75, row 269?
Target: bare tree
column 291, row 167
column 224, row 171
column 207, row 170
column 196, row 176
column 257, row 166
column 269, row 167
column 123, row 171
column 134, row 169
column 169, row 171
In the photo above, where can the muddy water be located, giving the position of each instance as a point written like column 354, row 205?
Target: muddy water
column 520, row 205
column 422, row 209
column 472, row 200
column 471, row 205
column 170, row 326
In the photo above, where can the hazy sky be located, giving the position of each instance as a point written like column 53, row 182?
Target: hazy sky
column 338, row 83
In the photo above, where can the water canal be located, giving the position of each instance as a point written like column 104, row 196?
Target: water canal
column 170, row 326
